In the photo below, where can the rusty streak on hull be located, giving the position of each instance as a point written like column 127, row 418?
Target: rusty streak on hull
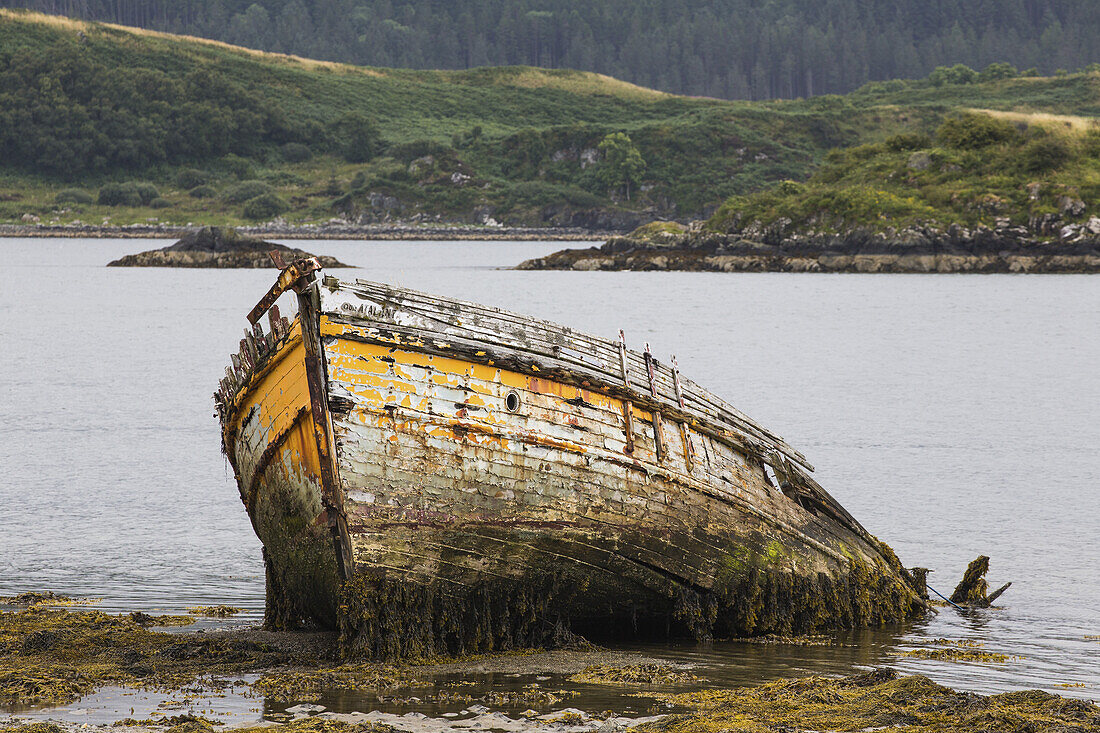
column 469, row 479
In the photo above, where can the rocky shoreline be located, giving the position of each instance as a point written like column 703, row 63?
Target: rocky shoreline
column 328, row 230
column 918, row 249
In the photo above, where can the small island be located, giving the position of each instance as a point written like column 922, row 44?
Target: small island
column 988, row 193
column 218, row 247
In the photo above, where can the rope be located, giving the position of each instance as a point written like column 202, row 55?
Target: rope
column 941, row 595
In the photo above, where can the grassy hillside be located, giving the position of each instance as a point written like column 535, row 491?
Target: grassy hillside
column 979, row 168
column 100, row 121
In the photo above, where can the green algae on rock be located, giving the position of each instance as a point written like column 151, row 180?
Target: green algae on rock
column 144, row 619
column 220, row 611
column 870, row 701
column 958, row 655
column 309, row 684
column 635, row 674
column 51, row 657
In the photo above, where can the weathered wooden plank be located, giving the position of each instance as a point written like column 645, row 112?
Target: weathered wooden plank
column 522, row 333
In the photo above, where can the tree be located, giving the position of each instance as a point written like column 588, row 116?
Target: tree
column 356, row 137
column 623, row 164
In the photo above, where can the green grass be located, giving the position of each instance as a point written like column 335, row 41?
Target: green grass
column 978, row 169
column 107, row 104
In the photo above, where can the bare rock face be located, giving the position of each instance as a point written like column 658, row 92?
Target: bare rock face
column 218, row 247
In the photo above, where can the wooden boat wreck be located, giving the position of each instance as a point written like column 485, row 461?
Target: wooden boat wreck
column 436, row 476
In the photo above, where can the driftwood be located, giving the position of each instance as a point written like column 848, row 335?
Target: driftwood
column 973, row 588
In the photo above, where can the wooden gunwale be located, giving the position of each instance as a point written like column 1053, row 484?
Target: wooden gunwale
column 481, row 353
column 232, row 409
column 533, row 330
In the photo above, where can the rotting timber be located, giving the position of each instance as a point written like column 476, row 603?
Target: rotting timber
column 433, row 476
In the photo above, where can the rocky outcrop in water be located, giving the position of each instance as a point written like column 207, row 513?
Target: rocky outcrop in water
column 218, row 247
column 918, row 249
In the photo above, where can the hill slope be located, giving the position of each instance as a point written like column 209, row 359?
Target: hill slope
column 101, row 121
column 736, row 49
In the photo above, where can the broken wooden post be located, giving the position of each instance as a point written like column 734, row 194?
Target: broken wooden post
column 972, row 590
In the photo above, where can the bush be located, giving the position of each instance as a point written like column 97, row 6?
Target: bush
column 265, row 207
column 357, row 137
column 1002, row 70
column 957, row 74
column 410, row 151
column 285, row 178
column 296, row 153
column 202, row 192
column 147, row 192
column 246, row 190
column 1045, row 154
column 74, row 196
column 190, row 177
column 159, row 203
column 974, row 131
column 239, row 167
column 541, row 193
column 127, row 194
column 790, row 188
column 906, row 141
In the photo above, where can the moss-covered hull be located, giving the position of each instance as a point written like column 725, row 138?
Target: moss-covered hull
column 495, row 487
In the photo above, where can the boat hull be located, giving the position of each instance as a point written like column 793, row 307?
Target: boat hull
column 489, row 500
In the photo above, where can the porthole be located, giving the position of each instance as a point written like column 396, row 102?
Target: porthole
column 511, row 402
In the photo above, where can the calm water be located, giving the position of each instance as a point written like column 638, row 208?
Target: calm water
column 953, row 415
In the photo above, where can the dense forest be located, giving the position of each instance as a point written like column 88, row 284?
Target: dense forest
column 734, row 49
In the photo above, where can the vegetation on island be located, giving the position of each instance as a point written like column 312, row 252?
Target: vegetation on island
column 733, row 49
column 978, row 168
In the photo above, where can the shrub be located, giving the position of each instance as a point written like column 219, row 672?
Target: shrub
column 239, row 167
column 285, row 178
column 296, row 153
column 410, row 151
column 246, row 190
column 541, row 193
column 957, row 74
column 159, row 203
column 202, row 192
column 357, row 137
column 147, row 192
column 907, row 141
column 358, row 181
column 974, row 131
column 74, row 196
column 265, row 207
column 1044, row 154
column 119, row 194
column 1001, row 70
column 190, row 177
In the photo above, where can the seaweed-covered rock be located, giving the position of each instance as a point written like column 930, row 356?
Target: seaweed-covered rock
column 218, row 247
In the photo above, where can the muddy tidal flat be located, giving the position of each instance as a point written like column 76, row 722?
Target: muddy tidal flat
column 75, row 669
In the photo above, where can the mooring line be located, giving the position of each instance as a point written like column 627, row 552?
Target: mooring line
column 941, row 595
